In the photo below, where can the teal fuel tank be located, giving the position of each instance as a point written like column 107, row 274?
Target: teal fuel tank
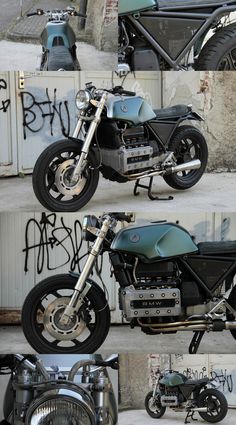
column 130, row 109
column 154, row 242
column 58, row 30
column 131, row 6
column 173, row 379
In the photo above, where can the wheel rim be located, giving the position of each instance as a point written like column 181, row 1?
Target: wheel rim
column 46, row 317
column 154, row 405
column 228, row 62
column 57, row 182
column 187, row 150
column 213, row 405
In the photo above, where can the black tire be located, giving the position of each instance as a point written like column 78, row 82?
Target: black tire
column 158, row 410
column 183, row 151
column 219, row 53
column 230, row 316
column 45, row 171
column 34, row 311
column 216, row 402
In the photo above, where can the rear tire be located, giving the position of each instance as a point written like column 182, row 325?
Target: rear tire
column 156, row 411
column 230, row 316
column 182, row 149
column 219, row 53
column 215, row 400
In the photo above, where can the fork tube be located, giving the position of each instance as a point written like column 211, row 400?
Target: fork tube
column 78, row 127
column 84, row 152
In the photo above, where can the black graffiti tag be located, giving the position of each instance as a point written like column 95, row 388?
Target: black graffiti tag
column 51, row 233
column 34, row 110
column 4, row 104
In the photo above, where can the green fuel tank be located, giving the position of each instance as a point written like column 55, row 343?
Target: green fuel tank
column 153, row 242
column 131, row 6
column 173, row 379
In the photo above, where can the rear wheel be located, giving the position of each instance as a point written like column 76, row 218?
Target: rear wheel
column 153, row 406
column 230, row 316
column 43, row 308
column 187, row 144
column 216, row 403
column 52, row 178
column 219, row 53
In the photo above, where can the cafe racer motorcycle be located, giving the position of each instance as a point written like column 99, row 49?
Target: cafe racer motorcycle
column 175, row 390
column 58, row 40
column 119, row 135
column 167, row 284
column 36, row 395
column 177, row 34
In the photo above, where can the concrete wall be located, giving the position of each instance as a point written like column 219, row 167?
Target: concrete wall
column 102, row 24
column 212, row 94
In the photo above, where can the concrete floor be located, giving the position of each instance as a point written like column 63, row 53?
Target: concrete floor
column 215, row 192
column 122, row 339
column 140, row 417
column 15, row 56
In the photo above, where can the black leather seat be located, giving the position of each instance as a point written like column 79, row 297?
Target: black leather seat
column 214, row 248
column 60, row 58
column 172, row 112
column 164, row 4
column 197, row 381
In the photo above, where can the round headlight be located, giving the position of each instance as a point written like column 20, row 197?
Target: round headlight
column 67, row 408
column 82, row 99
column 89, row 221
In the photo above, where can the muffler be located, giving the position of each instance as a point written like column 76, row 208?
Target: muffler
column 198, row 409
column 230, row 325
column 187, row 166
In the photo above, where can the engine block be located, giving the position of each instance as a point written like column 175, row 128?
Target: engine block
column 124, row 160
column 150, row 302
column 169, row 400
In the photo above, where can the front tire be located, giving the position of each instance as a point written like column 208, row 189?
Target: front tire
column 187, row 144
column 216, row 403
column 219, row 53
column 41, row 313
column 51, row 178
column 154, row 408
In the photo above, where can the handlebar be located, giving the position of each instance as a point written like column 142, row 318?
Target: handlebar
column 41, row 12
column 121, row 217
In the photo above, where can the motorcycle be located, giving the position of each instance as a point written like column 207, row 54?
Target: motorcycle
column 121, row 136
column 36, row 396
column 58, row 40
column 172, row 34
column 173, row 389
column 167, row 284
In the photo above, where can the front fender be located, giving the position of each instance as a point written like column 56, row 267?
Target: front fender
column 90, row 281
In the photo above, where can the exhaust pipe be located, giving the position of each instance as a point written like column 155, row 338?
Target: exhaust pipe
column 198, row 409
column 188, row 166
column 230, row 325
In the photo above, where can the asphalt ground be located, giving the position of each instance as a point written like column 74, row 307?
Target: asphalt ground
column 215, row 192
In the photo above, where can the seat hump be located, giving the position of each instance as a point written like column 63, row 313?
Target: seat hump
column 166, row 4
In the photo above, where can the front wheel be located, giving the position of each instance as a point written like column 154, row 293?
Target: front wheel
column 219, row 53
column 52, row 174
column 216, row 404
column 153, row 406
column 187, row 144
column 43, row 308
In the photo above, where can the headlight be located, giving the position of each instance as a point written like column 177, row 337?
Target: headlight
column 67, row 407
column 82, row 99
column 88, row 222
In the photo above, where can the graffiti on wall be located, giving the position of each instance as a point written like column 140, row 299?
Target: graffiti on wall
column 54, row 244
column 36, row 113
column 4, row 104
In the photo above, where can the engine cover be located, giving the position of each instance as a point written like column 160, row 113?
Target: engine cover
column 169, row 400
column 150, row 302
column 124, row 160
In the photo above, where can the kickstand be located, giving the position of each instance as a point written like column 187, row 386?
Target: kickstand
column 149, row 189
column 189, row 415
column 196, row 340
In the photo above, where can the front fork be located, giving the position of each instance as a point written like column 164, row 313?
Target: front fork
column 89, row 137
column 82, row 287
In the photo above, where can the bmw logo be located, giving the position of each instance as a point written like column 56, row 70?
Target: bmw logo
column 124, row 108
column 134, row 238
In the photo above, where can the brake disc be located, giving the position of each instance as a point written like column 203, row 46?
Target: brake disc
column 51, row 321
column 63, row 179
